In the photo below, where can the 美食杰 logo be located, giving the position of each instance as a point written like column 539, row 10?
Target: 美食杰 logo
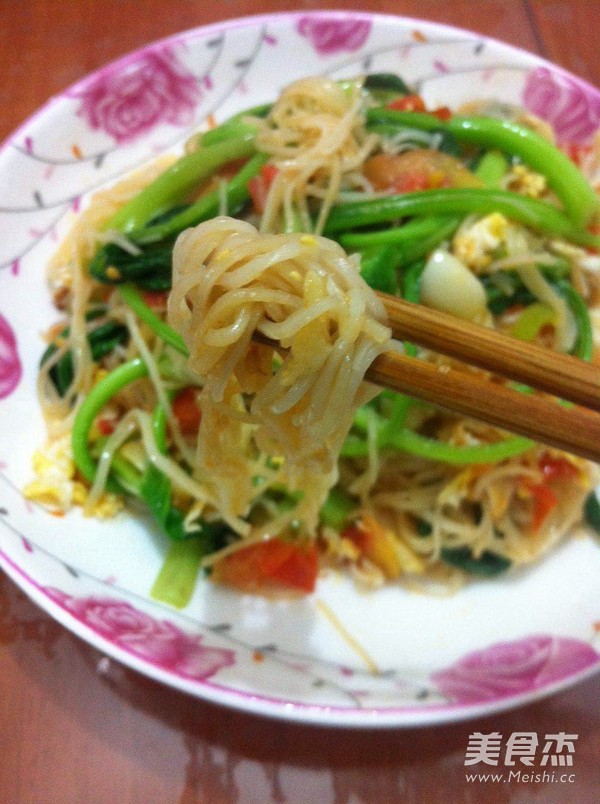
column 524, row 756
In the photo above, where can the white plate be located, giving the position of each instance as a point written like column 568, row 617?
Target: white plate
column 493, row 645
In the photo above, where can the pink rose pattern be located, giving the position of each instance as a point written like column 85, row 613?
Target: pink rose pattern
column 512, row 668
column 131, row 98
column 573, row 112
column 159, row 642
column 329, row 36
column 10, row 365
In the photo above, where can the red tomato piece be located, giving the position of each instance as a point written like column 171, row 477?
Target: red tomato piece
column 419, row 169
column 544, row 501
column 557, row 468
column 105, row 426
column 408, row 103
column 442, row 113
column 259, row 186
column 186, row 411
column 268, row 172
column 271, row 564
column 415, row 103
column 156, row 299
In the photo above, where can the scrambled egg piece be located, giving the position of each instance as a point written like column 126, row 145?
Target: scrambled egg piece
column 56, row 486
column 476, row 244
column 461, row 484
column 524, row 181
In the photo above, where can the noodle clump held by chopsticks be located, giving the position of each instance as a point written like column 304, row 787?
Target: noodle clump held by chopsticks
column 273, row 415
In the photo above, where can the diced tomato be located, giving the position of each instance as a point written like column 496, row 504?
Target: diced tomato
column 544, row 501
column 268, row 172
column 105, row 426
column 415, row 103
column 442, row 113
column 576, row 152
column 419, row 169
column 408, row 103
column 156, row 299
column 186, row 410
column 358, row 536
column 557, row 468
column 269, row 565
column 259, row 186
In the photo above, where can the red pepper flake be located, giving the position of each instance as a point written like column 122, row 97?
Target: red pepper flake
column 418, row 36
column 76, row 151
column 258, row 656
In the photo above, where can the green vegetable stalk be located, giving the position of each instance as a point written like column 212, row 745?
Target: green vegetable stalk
column 177, row 181
column 539, row 215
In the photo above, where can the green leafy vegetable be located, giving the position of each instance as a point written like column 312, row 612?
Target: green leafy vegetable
column 102, row 340
column 337, row 508
column 486, row 565
column 591, row 512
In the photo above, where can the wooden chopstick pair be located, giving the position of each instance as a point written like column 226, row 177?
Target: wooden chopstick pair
column 573, row 428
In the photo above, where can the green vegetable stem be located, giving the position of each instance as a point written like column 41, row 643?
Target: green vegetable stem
column 236, row 194
column 539, row 215
column 91, row 406
column 177, row 181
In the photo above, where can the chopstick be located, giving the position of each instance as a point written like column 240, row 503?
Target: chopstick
column 563, row 375
column 574, row 429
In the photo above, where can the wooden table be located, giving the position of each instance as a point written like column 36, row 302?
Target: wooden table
column 76, row 727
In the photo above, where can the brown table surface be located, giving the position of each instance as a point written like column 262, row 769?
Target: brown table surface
column 76, row 729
